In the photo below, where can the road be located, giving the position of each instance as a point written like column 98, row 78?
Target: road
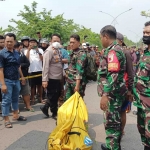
column 33, row 134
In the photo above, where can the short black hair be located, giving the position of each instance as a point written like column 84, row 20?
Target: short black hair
column 17, row 45
column 110, row 31
column 1, row 37
column 38, row 33
column 75, row 36
column 10, row 35
column 55, row 34
column 147, row 23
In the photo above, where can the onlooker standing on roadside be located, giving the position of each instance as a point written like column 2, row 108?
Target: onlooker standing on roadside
column 35, row 56
column 9, row 79
column 1, row 47
column 25, row 89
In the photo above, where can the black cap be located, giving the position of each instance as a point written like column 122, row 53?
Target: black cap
column 121, row 38
column 33, row 40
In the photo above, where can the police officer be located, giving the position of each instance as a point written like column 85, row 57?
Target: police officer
column 142, row 91
column 111, row 87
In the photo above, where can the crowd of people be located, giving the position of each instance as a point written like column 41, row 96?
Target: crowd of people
column 54, row 71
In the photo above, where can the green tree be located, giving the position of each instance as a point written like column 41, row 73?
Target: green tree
column 33, row 21
column 2, row 32
column 146, row 14
column 92, row 38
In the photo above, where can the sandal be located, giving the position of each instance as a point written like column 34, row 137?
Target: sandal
column 21, row 118
column 8, row 124
column 30, row 109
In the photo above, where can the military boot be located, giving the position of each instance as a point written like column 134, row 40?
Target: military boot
column 103, row 147
column 44, row 109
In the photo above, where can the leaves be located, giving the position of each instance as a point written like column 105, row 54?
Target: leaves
column 146, row 14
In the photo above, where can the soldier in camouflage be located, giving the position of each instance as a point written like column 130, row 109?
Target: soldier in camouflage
column 75, row 75
column 111, row 87
column 142, row 91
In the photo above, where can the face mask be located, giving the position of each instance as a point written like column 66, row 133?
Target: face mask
column 137, row 52
column 146, row 40
column 56, row 45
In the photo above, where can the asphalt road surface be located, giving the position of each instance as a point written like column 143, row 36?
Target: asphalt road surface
column 33, row 134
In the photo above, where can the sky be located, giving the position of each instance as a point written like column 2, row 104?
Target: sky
column 87, row 13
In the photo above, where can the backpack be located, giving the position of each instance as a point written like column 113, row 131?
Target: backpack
column 91, row 69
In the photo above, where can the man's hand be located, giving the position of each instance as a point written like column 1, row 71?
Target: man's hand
column 104, row 103
column 23, row 81
column 44, row 84
column 30, row 47
column 4, row 88
column 76, row 89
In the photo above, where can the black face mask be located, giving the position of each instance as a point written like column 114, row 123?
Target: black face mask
column 146, row 40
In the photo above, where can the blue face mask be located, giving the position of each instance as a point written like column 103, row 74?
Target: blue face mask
column 137, row 52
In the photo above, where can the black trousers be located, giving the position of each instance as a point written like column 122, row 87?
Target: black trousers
column 53, row 93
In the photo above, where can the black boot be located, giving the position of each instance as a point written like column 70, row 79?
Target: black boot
column 146, row 148
column 103, row 147
column 44, row 109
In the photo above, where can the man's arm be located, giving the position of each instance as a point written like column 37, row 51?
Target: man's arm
column 22, row 77
column 129, row 70
column 80, row 67
column 2, row 81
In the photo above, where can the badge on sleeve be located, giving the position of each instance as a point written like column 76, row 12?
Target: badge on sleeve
column 113, row 62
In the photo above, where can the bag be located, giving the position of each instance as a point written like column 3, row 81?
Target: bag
column 71, row 131
column 91, row 69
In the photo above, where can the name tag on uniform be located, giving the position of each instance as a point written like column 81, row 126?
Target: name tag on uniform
column 113, row 62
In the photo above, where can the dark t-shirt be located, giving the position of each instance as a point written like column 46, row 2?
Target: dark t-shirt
column 10, row 62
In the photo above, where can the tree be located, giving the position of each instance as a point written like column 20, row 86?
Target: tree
column 33, row 21
column 146, row 14
column 92, row 38
column 2, row 32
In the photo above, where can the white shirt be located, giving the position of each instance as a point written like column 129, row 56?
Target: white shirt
column 35, row 61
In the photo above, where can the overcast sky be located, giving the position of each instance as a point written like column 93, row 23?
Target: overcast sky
column 86, row 13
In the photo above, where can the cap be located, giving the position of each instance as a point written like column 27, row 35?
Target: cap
column 121, row 38
column 25, row 38
column 87, row 44
column 33, row 40
column 84, row 45
column 44, row 41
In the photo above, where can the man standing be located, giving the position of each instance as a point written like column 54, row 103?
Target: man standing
column 76, row 79
column 9, row 79
column 111, row 87
column 25, row 42
column 35, row 56
column 129, row 78
column 1, row 47
column 1, row 42
column 142, row 91
column 52, row 75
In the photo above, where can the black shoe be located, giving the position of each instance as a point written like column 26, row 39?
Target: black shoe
column 54, row 116
column 146, row 148
column 45, row 111
column 103, row 147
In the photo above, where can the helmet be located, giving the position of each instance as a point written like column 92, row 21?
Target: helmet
column 25, row 38
column 44, row 41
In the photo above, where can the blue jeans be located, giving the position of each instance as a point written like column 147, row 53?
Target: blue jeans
column 11, row 97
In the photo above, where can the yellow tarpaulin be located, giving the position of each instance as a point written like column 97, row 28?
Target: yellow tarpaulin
column 71, row 131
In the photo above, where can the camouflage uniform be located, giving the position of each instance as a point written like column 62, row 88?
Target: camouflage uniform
column 112, row 84
column 142, row 97
column 76, row 70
